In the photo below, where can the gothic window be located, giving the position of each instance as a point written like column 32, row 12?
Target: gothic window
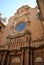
column 20, row 26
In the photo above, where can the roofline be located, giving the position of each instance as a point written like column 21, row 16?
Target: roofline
column 2, row 24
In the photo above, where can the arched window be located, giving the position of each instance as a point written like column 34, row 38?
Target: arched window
column 20, row 26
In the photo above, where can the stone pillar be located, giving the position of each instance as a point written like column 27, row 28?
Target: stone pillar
column 23, row 57
column 29, row 58
column 3, row 58
column 7, row 59
column 32, row 57
column 26, row 56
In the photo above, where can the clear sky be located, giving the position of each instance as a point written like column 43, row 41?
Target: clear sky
column 9, row 7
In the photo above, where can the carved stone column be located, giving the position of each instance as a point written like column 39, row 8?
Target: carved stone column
column 3, row 58
column 26, row 56
column 29, row 58
column 6, row 62
column 23, row 57
column 32, row 56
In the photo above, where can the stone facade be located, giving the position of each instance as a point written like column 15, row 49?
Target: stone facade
column 26, row 46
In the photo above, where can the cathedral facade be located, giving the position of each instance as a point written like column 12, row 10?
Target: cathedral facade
column 22, row 39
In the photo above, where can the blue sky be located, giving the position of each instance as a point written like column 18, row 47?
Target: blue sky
column 9, row 7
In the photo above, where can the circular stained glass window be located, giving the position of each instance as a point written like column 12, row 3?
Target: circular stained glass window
column 20, row 26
